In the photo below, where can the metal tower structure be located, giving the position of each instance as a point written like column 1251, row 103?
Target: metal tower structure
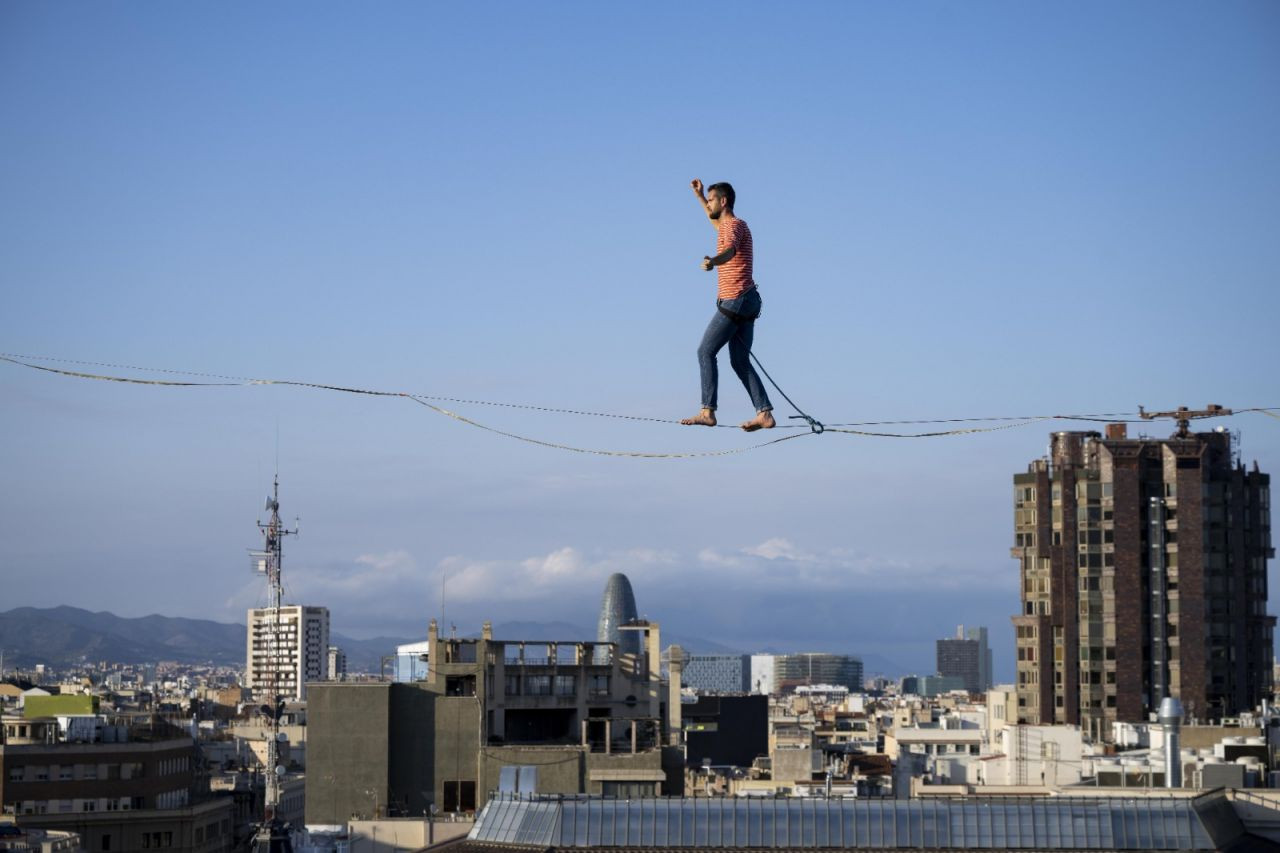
column 272, row 835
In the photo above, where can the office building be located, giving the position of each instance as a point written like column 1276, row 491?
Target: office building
column 986, row 675
column 1143, row 573
column 618, row 608
column 717, row 673
column 810, row 668
column 284, row 658
column 966, row 656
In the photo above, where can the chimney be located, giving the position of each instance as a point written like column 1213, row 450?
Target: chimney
column 1170, row 719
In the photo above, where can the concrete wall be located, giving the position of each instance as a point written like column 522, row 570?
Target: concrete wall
column 455, row 744
column 411, row 749
column 402, row 834
column 348, row 761
column 791, row 765
column 561, row 769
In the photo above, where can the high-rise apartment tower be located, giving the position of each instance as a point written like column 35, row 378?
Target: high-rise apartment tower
column 1143, row 574
column 302, row 654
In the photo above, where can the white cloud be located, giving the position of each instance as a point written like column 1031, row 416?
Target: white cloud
column 564, row 584
column 777, row 549
column 558, row 564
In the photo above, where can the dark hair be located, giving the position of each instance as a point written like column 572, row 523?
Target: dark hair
column 726, row 192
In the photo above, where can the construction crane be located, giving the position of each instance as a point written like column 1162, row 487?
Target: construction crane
column 1185, row 416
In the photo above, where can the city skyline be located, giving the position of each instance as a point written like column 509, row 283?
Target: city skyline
column 958, row 212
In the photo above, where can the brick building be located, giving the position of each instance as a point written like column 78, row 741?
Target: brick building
column 1143, row 569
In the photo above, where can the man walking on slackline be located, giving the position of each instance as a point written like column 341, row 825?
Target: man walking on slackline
column 737, row 307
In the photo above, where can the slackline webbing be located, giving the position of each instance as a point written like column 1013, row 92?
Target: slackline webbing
column 211, row 380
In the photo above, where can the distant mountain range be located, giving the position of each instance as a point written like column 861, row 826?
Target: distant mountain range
column 66, row 636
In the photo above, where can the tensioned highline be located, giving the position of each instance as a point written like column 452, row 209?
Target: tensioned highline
column 1001, row 422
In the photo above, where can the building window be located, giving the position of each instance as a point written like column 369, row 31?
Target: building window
column 627, row 790
column 105, row 844
column 460, row 685
column 513, row 685
column 537, row 685
column 459, row 796
column 565, row 685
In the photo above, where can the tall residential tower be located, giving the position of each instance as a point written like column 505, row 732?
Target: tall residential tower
column 298, row 655
column 1143, row 574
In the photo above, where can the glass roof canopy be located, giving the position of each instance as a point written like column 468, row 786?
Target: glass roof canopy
column 1040, row 823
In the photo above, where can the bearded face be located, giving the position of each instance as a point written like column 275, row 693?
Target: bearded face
column 715, row 204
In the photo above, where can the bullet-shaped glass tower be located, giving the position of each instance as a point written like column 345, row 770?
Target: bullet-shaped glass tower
column 617, row 609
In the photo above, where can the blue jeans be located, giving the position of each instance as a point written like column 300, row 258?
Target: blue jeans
column 720, row 331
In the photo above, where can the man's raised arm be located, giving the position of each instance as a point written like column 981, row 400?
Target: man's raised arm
column 696, row 184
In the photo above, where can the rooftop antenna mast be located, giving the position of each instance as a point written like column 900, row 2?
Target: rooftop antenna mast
column 1184, row 416
column 272, row 835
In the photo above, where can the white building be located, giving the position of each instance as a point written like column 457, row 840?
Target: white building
column 337, row 669
column 298, row 653
column 762, row 674
column 1035, row 755
column 411, row 662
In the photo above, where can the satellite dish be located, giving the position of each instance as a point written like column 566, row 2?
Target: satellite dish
column 282, row 737
column 280, row 770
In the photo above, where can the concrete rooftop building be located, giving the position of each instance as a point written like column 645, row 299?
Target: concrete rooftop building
column 590, row 717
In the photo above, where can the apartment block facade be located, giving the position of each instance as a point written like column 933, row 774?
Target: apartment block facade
column 296, row 650
column 134, row 791
column 1143, row 571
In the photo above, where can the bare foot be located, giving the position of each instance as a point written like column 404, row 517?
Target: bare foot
column 706, row 417
column 762, row 420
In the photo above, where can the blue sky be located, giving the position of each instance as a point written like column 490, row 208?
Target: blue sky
column 958, row 209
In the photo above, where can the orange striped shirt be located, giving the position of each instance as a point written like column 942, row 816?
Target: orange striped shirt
column 735, row 274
